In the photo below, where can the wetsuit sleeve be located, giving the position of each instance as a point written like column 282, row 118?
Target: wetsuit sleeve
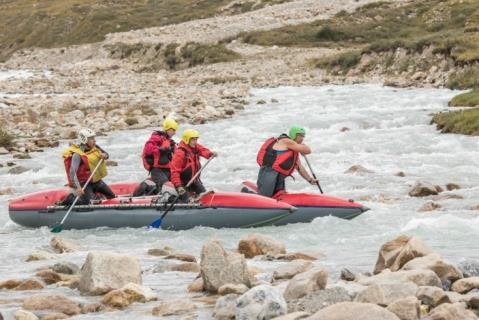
column 177, row 165
column 76, row 160
column 152, row 148
column 204, row 152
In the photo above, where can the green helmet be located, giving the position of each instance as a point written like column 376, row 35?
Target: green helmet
column 295, row 130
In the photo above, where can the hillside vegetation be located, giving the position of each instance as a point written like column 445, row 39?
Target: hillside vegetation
column 58, row 23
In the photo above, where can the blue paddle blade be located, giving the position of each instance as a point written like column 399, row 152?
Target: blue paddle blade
column 58, row 228
column 156, row 224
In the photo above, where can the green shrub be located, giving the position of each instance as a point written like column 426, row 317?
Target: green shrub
column 6, row 139
column 463, row 121
column 468, row 99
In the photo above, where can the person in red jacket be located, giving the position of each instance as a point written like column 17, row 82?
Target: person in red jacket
column 157, row 154
column 278, row 158
column 186, row 163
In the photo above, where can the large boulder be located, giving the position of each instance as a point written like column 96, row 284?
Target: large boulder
column 353, row 311
column 465, row 285
column 387, row 293
column 52, row 302
column 261, row 302
column 406, row 308
column 319, row 299
column 419, row 277
column 396, row 253
column 289, row 270
column 106, row 271
column 305, row 283
column 448, row 311
column 444, row 270
column 423, row 189
column 432, row 296
column 257, row 244
column 225, row 307
column 219, row 267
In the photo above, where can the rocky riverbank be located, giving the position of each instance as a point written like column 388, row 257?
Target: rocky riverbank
column 135, row 79
column 409, row 281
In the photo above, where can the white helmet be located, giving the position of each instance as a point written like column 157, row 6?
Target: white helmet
column 84, row 134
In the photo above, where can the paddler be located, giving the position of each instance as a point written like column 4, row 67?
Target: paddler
column 278, row 157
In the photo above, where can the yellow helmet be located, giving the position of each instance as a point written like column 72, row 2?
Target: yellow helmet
column 170, row 124
column 188, row 134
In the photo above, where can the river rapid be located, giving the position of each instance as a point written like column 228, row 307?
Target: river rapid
column 388, row 131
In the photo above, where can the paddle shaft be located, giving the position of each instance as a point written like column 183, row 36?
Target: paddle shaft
column 178, row 197
column 312, row 173
column 83, row 189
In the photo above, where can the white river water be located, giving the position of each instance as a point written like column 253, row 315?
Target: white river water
column 389, row 132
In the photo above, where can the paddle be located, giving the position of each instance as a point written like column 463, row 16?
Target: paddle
column 58, row 227
column 312, row 173
column 157, row 223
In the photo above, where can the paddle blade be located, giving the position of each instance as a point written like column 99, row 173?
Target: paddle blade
column 156, row 224
column 57, row 228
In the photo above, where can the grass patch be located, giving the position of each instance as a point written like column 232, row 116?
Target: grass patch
column 59, row 23
column 468, row 99
column 222, row 80
column 6, row 139
column 196, row 54
column 463, row 121
column 343, row 61
column 385, row 26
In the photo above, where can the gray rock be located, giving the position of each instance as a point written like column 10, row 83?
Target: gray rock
column 432, row 296
column 225, row 307
column 469, row 268
column 353, row 311
column 465, row 285
column 387, row 293
column 396, row 253
column 219, row 267
column 320, row 299
column 66, row 267
column 261, row 302
column 406, row 308
column 423, row 189
column 419, row 277
column 289, row 270
column 448, row 311
column 105, row 271
column 347, row 275
column 305, row 283
column 444, row 270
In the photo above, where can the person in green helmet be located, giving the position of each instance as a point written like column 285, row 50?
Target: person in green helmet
column 278, row 157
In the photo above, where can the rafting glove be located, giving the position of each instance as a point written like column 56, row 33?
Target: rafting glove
column 181, row 191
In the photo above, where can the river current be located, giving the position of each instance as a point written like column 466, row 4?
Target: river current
column 388, row 131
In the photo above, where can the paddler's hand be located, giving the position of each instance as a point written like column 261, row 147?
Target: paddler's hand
column 214, row 155
column 104, row 155
column 79, row 192
column 181, row 191
column 313, row 181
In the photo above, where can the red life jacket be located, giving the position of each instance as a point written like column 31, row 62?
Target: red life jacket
column 83, row 171
column 158, row 151
column 284, row 162
column 193, row 164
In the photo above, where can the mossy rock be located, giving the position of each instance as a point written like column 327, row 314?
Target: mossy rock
column 468, row 99
column 463, row 121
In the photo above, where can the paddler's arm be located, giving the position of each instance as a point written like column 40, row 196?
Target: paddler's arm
column 76, row 160
column 293, row 145
column 303, row 173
